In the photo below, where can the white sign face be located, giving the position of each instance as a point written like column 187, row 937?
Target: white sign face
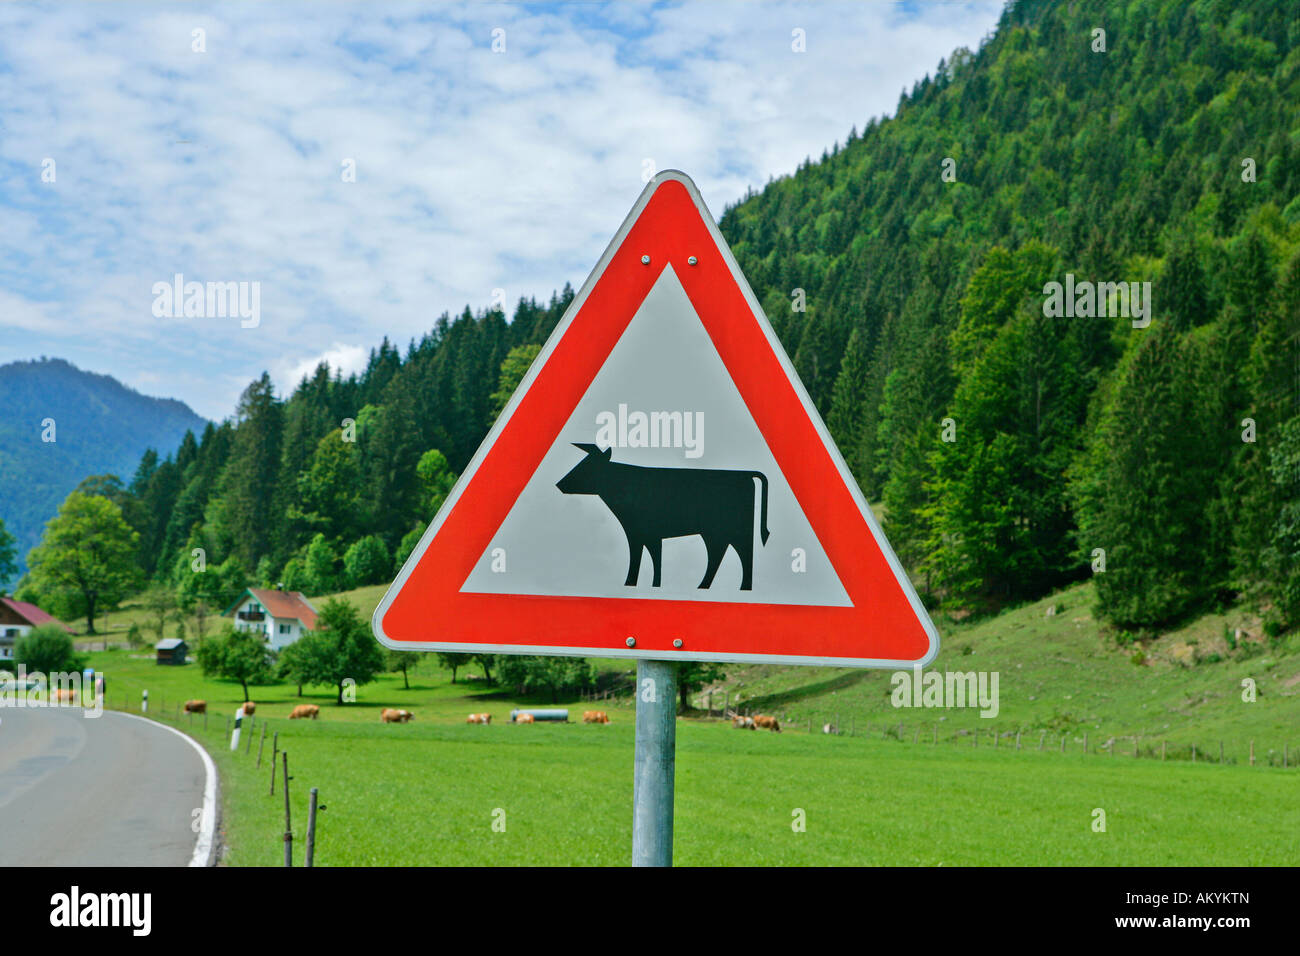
column 662, row 400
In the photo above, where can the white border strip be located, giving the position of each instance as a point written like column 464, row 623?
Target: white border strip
column 204, row 849
column 376, row 621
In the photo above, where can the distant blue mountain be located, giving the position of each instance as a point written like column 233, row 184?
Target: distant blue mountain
column 101, row 427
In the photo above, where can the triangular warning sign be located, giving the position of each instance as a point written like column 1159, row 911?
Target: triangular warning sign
column 660, row 486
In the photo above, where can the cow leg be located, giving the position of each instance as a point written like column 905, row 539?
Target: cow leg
column 746, row 565
column 745, row 551
column 716, row 553
column 633, row 562
column 656, row 548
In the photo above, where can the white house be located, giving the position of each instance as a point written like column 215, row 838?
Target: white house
column 281, row 616
column 16, row 619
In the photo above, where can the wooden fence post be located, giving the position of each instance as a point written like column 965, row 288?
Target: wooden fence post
column 1041, row 737
column 288, row 832
column 1085, row 741
column 975, row 740
column 310, row 853
column 1252, row 753
column 1062, row 743
column 249, row 748
column 1220, row 751
column 275, row 749
column 1193, row 753
column 1137, row 745
column 1017, row 738
column 936, row 733
column 917, row 735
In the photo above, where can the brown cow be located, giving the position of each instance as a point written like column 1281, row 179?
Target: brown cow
column 195, row 707
column 595, row 717
column 249, row 707
column 304, row 711
column 743, row 723
column 479, row 719
column 391, row 716
column 524, row 719
column 64, row 694
column 767, row 723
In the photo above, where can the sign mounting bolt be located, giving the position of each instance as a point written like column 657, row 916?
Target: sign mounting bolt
column 631, row 642
column 677, row 642
column 645, row 260
column 692, row 260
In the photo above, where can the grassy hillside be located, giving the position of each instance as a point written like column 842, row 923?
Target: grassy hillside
column 1061, row 675
column 1065, row 675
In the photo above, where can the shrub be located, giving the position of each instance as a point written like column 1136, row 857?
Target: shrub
column 48, row 648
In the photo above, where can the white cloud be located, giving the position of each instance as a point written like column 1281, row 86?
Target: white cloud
column 345, row 359
column 475, row 170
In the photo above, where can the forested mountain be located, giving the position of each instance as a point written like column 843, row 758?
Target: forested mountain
column 1016, row 444
column 97, row 425
column 328, row 486
column 1166, row 150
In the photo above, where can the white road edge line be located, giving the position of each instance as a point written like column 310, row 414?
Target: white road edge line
column 206, row 845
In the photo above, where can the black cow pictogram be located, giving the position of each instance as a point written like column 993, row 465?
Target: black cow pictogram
column 652, row 504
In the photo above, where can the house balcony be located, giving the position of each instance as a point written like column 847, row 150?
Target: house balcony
column 252, row 617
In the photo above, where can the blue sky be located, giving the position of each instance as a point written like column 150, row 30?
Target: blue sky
column 475, row 170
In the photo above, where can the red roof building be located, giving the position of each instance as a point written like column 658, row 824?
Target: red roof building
column 282, row 616
column 16, row 619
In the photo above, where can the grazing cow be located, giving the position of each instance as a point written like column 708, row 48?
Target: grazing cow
column 392, row 716
column 595, row 717
column 656, row 503
column 304, row 711
column 62, row 694
column 249, row 707
column 195, row 707
column 524, row 719
column 479, row 719
column 830, row 729
column 743, row 723
column 767, row 723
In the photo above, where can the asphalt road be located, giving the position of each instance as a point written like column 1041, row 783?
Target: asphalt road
column 107, row 791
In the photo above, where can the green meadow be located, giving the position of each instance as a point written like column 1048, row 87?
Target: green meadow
column 431, row 791
column 430, row 794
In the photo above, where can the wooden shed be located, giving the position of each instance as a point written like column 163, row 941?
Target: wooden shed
column 171, row 651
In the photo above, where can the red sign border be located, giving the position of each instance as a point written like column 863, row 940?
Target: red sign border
column 670, row 224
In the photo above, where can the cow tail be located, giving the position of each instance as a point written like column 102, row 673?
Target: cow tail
column 762, row 527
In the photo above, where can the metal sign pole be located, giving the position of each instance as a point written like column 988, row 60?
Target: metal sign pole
column 655, row 763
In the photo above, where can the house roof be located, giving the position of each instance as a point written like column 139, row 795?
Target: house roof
column 169, row 644
column 290, row 605
column 32, row 614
